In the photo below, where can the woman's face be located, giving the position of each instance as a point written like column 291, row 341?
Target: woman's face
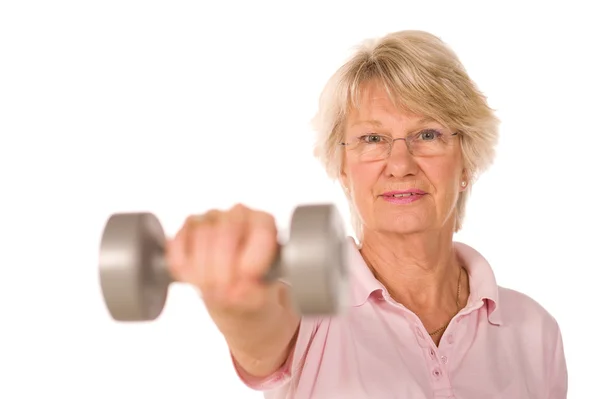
column 432, row 178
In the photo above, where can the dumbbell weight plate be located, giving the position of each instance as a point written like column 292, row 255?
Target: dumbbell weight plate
column 133, row 277
column 314, row 261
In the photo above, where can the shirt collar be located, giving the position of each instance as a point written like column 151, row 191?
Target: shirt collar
column 482, row 281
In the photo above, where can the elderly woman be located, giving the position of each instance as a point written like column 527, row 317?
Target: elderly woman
column 406, row 132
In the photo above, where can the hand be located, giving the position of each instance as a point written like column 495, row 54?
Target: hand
column 225, row 254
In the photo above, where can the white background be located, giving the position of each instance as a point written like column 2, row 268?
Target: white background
column 176, row 107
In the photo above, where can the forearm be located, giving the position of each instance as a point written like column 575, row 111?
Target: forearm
column 261, row 343
column 264, row 348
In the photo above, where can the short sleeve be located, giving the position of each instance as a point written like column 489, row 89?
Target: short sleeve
column 557, row 372
column 307, row 329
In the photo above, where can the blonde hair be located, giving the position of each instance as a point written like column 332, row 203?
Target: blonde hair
column 425, row 76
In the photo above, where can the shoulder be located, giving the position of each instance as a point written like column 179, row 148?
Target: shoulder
column 530, row 328
column 521, row 310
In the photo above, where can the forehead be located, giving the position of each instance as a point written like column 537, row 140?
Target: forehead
column 373, row 104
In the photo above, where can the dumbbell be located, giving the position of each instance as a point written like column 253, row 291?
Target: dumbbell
column 134, row 277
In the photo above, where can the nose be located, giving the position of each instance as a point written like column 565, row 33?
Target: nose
column 403, row 145
column 400, row 161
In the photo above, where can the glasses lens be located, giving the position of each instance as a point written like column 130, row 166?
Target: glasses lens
column 377, row 147
column 373, row 150
column 433, row 146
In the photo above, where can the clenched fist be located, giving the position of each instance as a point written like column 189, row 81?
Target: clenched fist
column 225, row 254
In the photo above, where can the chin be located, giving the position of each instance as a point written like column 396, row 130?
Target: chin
column 402, row 224
column 404, row 229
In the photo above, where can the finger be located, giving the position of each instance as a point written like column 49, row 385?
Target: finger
column 228, row 239
column 199, row 247
column 260, row 247
column 176, row 250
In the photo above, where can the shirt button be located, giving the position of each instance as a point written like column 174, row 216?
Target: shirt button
column 437, row 373
column 450, row 339
column 444, row 359
column 432, row 353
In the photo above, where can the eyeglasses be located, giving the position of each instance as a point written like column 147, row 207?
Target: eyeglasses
column 375, row 147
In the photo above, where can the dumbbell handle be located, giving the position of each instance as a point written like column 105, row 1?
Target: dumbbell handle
column 161, row 270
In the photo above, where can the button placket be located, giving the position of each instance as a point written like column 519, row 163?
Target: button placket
column 419, row 332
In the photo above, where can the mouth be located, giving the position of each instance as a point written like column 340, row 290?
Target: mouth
column 403, row 194
column 403, row 197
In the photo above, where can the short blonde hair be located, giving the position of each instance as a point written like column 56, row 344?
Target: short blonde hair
column 421, row 72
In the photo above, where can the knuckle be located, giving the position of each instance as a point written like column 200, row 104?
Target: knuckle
column 203, row 219
column 240, row 207
column 212, row 215
column 264, row 219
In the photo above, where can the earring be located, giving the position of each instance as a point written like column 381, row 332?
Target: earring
column 463, row 183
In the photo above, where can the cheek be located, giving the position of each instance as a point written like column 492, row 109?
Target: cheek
column 441, row 173
column 445, row 178
column 362, row 178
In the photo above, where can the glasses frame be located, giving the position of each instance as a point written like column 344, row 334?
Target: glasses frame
column 391, row 143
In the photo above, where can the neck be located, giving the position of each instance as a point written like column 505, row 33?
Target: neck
column 419, row 270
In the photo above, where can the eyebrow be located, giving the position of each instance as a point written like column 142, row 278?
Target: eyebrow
column 374, row 122
column 371, row 122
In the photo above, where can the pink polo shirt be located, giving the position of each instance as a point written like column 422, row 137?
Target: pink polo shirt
column 503, row 344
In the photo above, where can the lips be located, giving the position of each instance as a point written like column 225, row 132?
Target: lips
column 404, row 193
column 403, row 197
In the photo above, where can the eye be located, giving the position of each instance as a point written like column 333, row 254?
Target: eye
column 429, row 135
column 371, row 139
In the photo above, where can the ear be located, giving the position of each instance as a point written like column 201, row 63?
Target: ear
column 344, row 180
column 464, row 180
column 343, row 177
